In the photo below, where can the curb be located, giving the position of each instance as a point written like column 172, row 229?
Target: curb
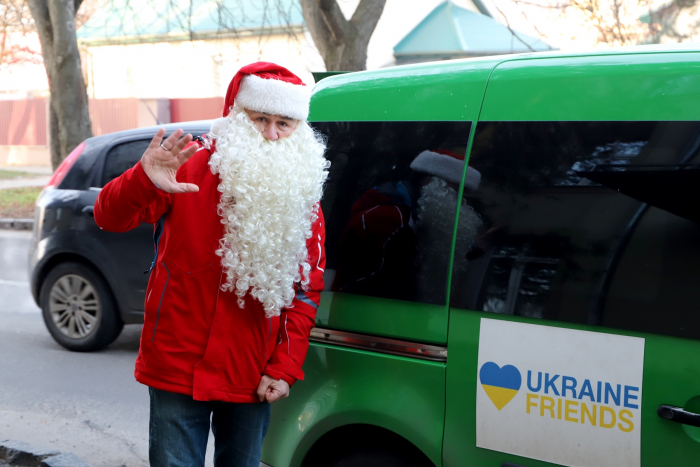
column 19, row 454
column 17, row 224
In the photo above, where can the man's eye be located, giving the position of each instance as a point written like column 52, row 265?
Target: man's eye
column 283, row 123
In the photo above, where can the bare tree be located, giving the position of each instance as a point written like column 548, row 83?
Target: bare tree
column 342, row 43
column 664, row 22
column 622, row 22
column 15, row 24
column 617, row 21
column 69, row 120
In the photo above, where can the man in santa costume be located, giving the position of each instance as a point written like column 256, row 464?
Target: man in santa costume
column 396, row 244
column 238, row 268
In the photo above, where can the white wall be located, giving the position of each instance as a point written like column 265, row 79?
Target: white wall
column 205, row 68
column 190, row 69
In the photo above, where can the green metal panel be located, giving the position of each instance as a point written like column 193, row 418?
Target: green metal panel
column 609, row 86
column 346, row 386
column 448, row 91
column 642, row 86
column 383, row 317
column 671, row 377
column 452, row 91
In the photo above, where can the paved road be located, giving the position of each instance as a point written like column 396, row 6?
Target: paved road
column 38, row 176
column 24, row 181
column 86, row 403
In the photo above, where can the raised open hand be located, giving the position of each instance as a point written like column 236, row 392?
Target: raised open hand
column 162, row 159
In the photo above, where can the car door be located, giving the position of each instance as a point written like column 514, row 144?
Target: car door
column 128, row 254
column 574, row 306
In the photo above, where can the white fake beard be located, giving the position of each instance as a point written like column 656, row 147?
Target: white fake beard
column 269, row 195
column 435, row 223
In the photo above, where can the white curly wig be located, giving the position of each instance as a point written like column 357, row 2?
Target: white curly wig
column 269, row 201
column 436, row 222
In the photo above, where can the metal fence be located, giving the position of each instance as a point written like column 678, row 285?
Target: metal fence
column 25, row 122
column 109, row 115
column 186, row 110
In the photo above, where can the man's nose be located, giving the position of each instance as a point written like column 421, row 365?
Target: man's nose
column 270, row 133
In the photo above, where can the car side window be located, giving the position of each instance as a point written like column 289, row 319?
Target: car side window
column 122, row 157
column 390, row 205
column 584, row 222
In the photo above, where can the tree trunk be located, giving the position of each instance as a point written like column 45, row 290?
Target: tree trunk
column 342, row 43
column 69, row 118
column 54, row 140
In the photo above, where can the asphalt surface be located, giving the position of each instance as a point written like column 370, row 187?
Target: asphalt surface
column 85, row 403
column 37, row 176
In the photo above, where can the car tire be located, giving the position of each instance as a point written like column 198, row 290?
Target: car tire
column 376, row 457
column 78, row 308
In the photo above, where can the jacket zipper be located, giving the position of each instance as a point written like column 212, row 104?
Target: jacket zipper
column 157, row 232
column 161, row 300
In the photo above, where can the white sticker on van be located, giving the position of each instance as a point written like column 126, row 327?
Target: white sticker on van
column 558, row 395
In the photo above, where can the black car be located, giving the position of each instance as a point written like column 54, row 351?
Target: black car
column 89, row 282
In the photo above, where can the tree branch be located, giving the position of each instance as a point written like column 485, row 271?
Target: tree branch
column 367, row 16
column 42, row 19
column 321, row 26
column 332, row 14
column 511, row 29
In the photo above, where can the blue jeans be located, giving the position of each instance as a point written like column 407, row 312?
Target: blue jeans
column 179, row 429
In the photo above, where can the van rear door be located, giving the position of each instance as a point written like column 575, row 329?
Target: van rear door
column 574, row 328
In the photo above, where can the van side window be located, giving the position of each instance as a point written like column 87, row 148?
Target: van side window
column 390, row 205
column 123, row 157
column 584, row 222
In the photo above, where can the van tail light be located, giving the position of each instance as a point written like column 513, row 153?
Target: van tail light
column 65, row 166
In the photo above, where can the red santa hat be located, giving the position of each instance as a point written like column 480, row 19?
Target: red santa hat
column 446, row 165
column 269, row 88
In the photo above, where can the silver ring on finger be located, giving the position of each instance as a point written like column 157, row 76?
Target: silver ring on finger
column 163, row 147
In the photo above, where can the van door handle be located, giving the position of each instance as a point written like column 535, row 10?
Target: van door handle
column 89, row 211
column 678, row 415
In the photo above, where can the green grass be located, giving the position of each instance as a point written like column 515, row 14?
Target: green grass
column 18, row 203
column 6, row 174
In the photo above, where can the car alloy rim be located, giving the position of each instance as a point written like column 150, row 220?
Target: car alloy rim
column 74, row 306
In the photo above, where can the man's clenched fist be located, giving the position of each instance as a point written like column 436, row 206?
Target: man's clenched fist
column 271, row 390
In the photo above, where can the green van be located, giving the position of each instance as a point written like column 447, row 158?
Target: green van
column 513, row 266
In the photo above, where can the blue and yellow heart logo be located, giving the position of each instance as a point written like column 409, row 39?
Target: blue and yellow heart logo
column 500, row 384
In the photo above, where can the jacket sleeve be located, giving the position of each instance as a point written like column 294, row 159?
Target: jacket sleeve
column 129, row 200
column 296, row 321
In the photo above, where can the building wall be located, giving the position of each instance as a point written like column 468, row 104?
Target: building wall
column 192, row 69
column 26, row 79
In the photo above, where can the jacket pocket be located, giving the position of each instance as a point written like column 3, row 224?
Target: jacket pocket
column 182, row 308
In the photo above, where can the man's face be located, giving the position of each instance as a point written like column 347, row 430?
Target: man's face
column 273, row 127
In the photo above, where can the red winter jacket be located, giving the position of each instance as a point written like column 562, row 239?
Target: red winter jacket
column 195, row 338
column 377, row 249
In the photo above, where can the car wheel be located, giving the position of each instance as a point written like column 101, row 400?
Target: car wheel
column 375, row 457
column 78, row 308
